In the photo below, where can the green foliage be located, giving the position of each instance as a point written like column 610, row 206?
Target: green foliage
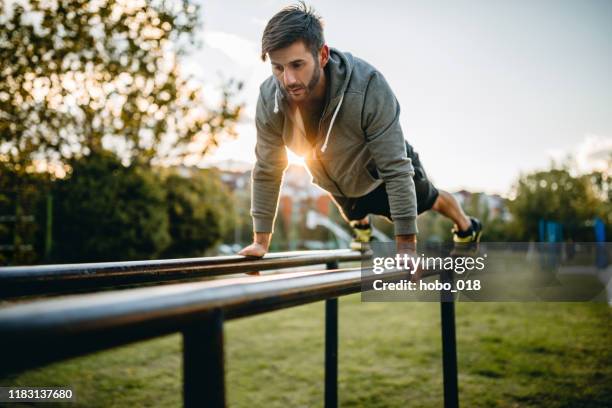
column 98, row 85
column 108, row 212
column 78, row 75
column 200, row 212
column 557, row 195
column 105, row 211
column 602, row 186
column 23, row 200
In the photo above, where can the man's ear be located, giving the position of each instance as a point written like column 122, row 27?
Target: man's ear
column 324, row 55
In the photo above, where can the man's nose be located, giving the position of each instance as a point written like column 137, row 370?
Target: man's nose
column 289, row 77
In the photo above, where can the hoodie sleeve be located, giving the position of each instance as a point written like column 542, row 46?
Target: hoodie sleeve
column 385, row 140
column 271, row 162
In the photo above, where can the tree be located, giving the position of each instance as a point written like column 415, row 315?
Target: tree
column 602, row 185
column 105, row 211
column 77, row 76
column 200, row 212
column 555, row 195
column 23, row 216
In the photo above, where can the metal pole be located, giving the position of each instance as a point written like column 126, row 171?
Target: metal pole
column 331, row 349
column 203, row 363
column 449, row 344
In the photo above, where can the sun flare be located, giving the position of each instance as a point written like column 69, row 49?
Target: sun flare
column 294, row 158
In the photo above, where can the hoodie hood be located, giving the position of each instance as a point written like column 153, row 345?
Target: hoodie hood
column 339, row 68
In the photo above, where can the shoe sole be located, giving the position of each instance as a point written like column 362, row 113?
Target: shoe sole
column 360, row 247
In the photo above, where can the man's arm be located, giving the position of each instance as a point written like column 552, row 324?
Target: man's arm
column 385, row 140
column 271, row 162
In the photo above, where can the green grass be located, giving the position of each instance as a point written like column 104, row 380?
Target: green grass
column 510, row 355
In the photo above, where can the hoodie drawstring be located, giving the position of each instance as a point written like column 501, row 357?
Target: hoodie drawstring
column 276, row 101
column 331, row 124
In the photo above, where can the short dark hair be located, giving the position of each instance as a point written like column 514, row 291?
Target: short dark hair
column 291, row 24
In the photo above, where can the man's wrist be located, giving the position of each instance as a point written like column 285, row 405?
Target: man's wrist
column 262, row 238
column 407, row 242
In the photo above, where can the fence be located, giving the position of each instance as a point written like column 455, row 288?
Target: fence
column 81, row 324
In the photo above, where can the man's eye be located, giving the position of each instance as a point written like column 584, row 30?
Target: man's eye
column 278, row 68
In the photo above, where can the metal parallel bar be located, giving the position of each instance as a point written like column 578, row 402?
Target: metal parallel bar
column 203, row 363
column 43, row 271
column 49, row 279
column 78, row 325
column 331, row 349
column 81, row 324
column 449, row 344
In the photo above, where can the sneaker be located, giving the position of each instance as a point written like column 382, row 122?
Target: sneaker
column 467, row 242
column 362, row 234
column 469, row 236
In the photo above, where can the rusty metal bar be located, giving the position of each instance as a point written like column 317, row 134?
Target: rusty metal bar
column 53, row 279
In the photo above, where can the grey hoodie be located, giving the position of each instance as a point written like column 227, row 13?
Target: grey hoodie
column 359, row 146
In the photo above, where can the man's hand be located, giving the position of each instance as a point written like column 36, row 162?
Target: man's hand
column 259, row 247
column 407, row 244
column 255, row 249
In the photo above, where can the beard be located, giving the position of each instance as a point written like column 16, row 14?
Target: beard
column 312, row 83
column 316, row 76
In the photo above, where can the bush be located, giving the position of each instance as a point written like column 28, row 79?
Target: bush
column 105, row 211
column 555, row 195
column 23, row 215
column 200, row 212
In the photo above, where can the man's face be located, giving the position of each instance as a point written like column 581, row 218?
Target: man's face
column 297, row 71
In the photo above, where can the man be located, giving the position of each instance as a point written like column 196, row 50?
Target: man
column 338, row 112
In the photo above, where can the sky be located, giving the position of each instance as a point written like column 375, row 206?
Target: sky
column 487, row 89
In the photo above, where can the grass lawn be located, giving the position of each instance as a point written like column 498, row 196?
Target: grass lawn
column 510, row 355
